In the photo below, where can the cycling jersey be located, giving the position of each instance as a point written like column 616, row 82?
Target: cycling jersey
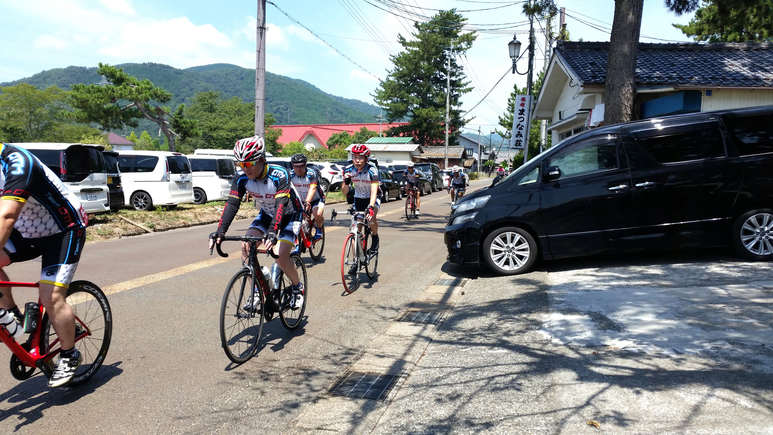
column 456, row 181
column 412, row 178
column 49, row 207
column 362, row 180
column 272, row 190
column 303, row 183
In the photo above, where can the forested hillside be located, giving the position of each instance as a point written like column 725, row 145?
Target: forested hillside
column 291, row 101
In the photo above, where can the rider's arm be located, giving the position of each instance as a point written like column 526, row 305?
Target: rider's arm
column 373, row 186
column 283, row 200
column 10, row 209
column 232, row 204
column 312, row 186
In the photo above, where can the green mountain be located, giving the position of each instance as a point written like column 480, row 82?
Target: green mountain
column 291, row 101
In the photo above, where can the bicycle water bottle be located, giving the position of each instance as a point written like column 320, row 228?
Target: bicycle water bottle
column 9, row 323
column 275, row 271
column 267, row 277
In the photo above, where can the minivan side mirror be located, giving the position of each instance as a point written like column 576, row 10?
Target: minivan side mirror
column 553, row 173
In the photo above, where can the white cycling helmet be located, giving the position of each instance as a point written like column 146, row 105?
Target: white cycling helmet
column 455, row 169
column 410, row 164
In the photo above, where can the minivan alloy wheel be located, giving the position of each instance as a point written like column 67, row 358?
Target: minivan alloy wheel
column 510, row 251
column 141, row 201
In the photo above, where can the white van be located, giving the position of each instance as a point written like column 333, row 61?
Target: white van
column 81, row 167
column 155, row 178
column 212, row 177
column 221, row 153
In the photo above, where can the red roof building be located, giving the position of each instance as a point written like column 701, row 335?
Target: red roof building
column 318, row 134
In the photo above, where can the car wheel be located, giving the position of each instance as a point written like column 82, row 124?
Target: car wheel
column 399, row 195
column 385, row 197
column 141, row 201
column 199, row 197
column 752, row 235
column 325, row 185
column 510, row 251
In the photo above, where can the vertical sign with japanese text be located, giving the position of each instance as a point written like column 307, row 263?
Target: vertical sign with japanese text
column 521, row 122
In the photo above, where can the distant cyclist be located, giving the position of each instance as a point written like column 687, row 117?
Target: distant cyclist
column 40, row 217
column 279, row 219
column 499, row 177
column 362, row 176
column 456, row 184
column 412, row 181
column 306, row 183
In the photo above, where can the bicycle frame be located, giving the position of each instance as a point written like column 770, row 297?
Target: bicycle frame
column 33, row 357
column 359, row 228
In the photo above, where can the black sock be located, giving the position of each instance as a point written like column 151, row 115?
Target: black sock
column 69, row 353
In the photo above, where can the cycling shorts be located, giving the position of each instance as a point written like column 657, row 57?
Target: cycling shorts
column 412, row 185
column 60, row 254
column 361, row 204
column 319, row 203
column 287, row 234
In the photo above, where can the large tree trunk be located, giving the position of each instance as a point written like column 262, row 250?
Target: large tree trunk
column 621, row 63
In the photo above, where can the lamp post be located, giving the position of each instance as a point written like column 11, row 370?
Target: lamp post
column 514, row 47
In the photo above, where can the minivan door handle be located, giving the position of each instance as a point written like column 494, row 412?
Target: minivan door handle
column 620, row 187
column 645, row 184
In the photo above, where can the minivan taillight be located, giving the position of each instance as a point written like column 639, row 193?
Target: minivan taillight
column 167, row 174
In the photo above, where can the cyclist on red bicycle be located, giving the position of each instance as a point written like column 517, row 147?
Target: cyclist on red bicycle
column 362, row 176
column 456, row 184
column 306, row 183
column 279, row 219
column 40, row 217
column 412, row 181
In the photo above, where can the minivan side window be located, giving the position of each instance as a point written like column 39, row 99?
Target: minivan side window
column 129, row 163
column 752, row 134
column 178, row 165
column 589, row 157
column 203, row 165
column 685, row 146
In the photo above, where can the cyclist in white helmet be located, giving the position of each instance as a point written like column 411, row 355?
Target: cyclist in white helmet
column 412, row 180
column 456, row 184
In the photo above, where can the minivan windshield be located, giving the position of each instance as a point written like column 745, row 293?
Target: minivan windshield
column 178, row 164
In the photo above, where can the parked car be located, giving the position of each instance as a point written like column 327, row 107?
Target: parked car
column 332, row 175
column 117, row 199
column 691, row 180
column 155, row 178
column 81, row 167
column 433, row 173
column 212, row 177
column 425, row 187
column 390, row 188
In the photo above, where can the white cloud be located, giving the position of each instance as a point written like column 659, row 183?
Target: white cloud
column 123, row 7
column 48, row 41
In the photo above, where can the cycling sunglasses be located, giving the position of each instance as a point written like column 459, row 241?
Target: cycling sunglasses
column 246, row 164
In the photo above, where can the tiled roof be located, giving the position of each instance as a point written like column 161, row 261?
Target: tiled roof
column 440, row 152
column 401, row 140
column 683, row 64
column 389, row 147
column 114, row 139
column 296, row 133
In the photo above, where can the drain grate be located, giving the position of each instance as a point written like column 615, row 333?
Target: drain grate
column 364, row 385
column 423, row 317
column 450, row 282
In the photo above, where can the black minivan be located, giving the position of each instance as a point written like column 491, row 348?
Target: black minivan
column 691, row 180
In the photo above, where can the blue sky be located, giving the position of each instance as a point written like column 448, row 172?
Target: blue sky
column 44, row 34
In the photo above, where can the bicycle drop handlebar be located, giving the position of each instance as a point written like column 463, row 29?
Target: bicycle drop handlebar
column 249, row 239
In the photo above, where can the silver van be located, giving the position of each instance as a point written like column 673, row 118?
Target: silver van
column 155, row 178
column 212, row 177
column 81, row 167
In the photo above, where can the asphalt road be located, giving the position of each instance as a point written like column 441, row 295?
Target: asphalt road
column 652, row 343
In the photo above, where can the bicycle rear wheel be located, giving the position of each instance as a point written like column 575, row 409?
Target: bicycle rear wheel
column 292, row 318
column 349, row 260
column 93, row 330
column 317, row 246
column 372, row 264
column 241, row 321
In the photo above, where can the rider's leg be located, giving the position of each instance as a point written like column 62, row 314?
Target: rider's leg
column 252, row 231
column 319, row 216
column 418, row 200
column 61, row 315
column 6, row 297
column 285, row 263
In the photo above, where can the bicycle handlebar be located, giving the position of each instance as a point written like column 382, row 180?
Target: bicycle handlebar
column 249, row 239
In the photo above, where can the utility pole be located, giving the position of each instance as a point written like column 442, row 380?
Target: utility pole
column 529, row 86
column 260, row 72
column 448, row 99
column 477, row 169
column 548, row 45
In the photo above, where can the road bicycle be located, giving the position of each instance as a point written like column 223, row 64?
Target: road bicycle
column 355, row 255
column 410, row 202
column 306, row 239
column 93, row 331
column 252, row 298
column 458, row 194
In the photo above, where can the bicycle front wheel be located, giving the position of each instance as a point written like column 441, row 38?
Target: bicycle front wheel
column 317, row 246
column 408, row 208
column 292, row 318
column 241, row 318
column 93, row 330
column 350, row 263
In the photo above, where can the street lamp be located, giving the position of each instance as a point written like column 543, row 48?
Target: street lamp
column 515, row 49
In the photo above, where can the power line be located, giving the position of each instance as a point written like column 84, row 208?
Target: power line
column 489, row 92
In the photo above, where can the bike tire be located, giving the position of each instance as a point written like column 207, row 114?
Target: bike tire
column 372, row 264
column 349, row 258
column 92, row 309
column 317, row 246
column 292, row 318
column 408, row 208
column 240, row 329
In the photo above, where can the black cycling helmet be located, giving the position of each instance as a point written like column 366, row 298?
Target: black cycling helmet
column 298, row 158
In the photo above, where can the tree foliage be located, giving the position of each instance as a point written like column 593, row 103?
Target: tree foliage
column 29, row 114
column 122, row 99
column 339, row 140
column 416, row 86
column 751, row 23
column 363, row 135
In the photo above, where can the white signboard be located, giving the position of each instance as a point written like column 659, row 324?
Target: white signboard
column 521, row 122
